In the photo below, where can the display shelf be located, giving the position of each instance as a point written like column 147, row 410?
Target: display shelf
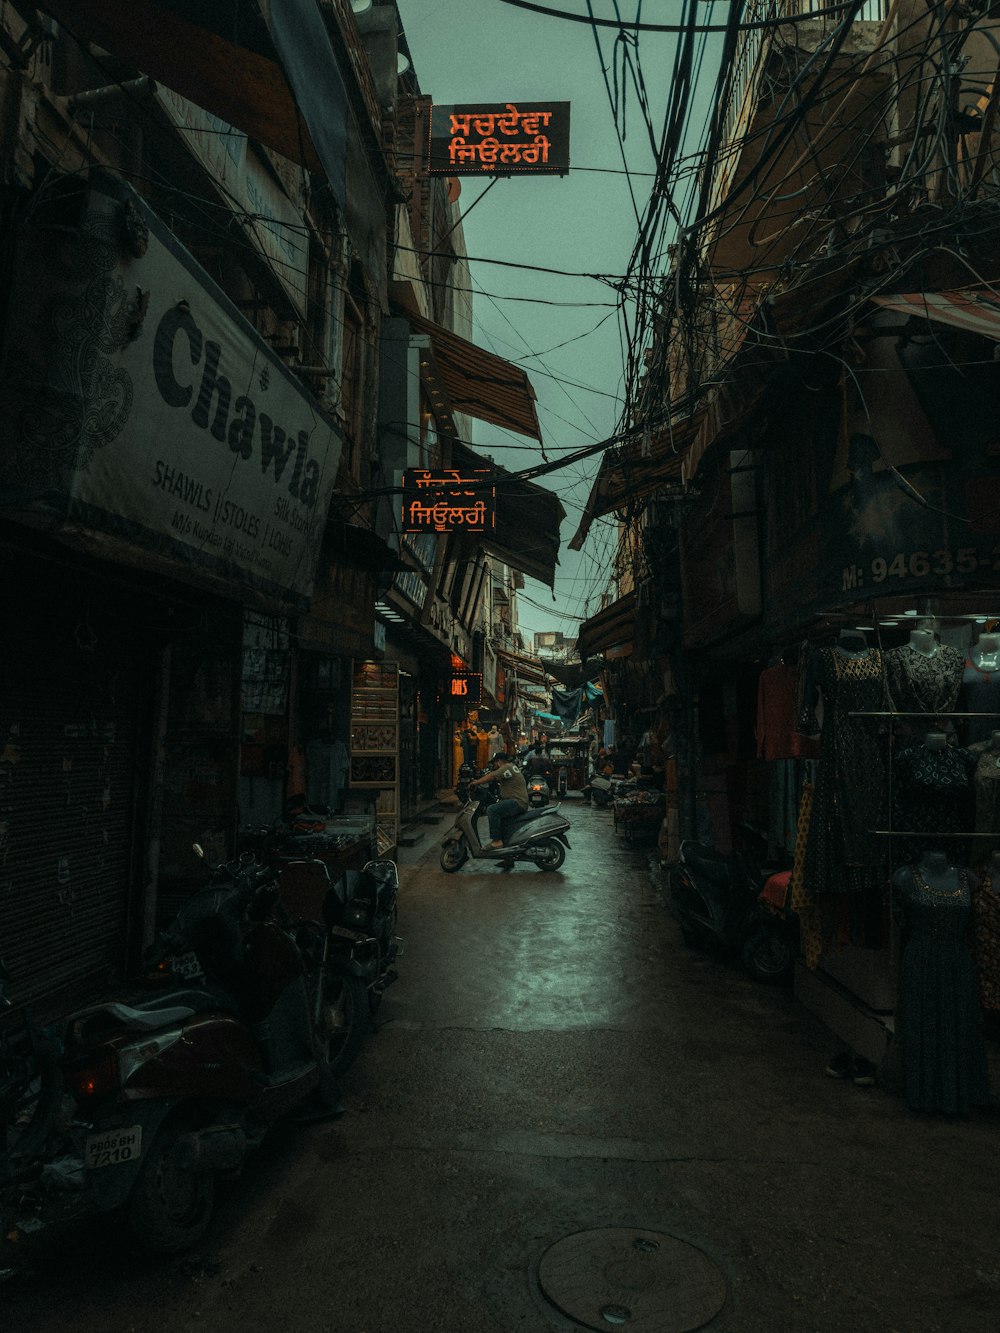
column 374, row 745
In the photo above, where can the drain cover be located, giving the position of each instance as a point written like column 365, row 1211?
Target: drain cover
column 638, row 1281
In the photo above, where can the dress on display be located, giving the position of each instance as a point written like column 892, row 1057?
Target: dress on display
column 939, row 1023
column 849, row 800
column 980, row 694
column 986, row 914
column 986, row 780
column 933, row 793
column 921, row 684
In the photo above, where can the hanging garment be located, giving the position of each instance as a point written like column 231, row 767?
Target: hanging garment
column 933, row 794
column 980, row 694
column 787, row 777
column 939, row 1022
column 849, row 801
column 921, row 684
column 986, row 784
column 804, row 904
column 777, row 702
column 609, row 733
column 495, row 742
column 986, row 915
column 482, row 749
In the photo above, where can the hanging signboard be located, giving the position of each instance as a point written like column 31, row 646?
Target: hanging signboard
column 449, row 501
column 466, row 687
column 499, row 139
column 146, row 418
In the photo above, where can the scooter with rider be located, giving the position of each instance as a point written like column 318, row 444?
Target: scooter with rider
column 517, row 833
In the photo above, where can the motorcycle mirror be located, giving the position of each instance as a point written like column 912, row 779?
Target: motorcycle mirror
column 198, row 850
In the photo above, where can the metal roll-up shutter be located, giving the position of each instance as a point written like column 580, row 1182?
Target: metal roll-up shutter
column 68, row 732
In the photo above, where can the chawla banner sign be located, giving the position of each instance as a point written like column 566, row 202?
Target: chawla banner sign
column 505, row 139
column 144, row 409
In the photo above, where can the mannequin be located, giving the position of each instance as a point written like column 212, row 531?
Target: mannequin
column 924, row 676
column 981, row 688
column 933, row 797
column 939, row 1022
column 852, row 642
column 986, row 653
column 923, row 640
column 986, row 778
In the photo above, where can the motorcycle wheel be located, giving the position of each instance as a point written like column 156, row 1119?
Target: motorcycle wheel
column 170, row 1206
column 454, row 855
column 343, row 1021
column 768, row 956
column 551, row 854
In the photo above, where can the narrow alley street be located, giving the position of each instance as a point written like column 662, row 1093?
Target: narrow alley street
column 554, row 1060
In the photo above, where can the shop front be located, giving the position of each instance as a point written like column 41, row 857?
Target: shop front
column 847, row 697
column 161, row 473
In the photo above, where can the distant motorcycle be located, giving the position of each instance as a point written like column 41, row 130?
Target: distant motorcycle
column 538, row 792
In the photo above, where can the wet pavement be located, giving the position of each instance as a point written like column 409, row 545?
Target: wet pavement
column 554, row 1060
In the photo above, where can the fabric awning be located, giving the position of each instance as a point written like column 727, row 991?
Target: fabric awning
column 273, row 75
column 973, row 311
column 614, row 627
column 480, row 383
column 526, row 535
column 526, row 668
column 637, row 469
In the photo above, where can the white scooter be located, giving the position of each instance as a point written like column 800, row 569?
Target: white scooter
column 536, row 835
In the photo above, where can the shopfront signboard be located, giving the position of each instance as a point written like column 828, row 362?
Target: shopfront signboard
column 499, row 139
column 146, row 417
column 466, row 687
column 449, row 500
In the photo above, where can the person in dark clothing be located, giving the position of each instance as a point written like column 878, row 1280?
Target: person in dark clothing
column 513, row 794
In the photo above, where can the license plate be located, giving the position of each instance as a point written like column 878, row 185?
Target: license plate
column 358, row 936
column 113, row 1148
column 186, row 966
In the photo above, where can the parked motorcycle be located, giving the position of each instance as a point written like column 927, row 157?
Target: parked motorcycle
column 538, row 836
column 717, row 901
column 356, row 943
column 178, row 1079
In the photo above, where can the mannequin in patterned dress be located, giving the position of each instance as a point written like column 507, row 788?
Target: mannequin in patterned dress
column 938, row 1022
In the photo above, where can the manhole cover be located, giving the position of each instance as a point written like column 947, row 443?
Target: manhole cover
column 637, row 1281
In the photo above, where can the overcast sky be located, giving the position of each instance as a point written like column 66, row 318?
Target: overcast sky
column 487, row 51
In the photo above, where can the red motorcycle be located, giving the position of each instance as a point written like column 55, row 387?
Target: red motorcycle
column 180, row 1078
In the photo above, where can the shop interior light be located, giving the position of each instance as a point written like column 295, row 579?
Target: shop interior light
column 911, row 613
column 864, row 627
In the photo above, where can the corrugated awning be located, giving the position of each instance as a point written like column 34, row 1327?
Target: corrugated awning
column 973, row 311
column 614, row 627
column 526, row 535
column 480, row 383
column 273, row 75
column 525, row 668
column 637, row 469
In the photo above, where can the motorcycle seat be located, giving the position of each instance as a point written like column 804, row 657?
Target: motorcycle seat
column 703, row 861
column 530, row 814
column 140, row 1020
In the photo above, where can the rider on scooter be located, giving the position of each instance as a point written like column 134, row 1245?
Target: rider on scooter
column 513, row 794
